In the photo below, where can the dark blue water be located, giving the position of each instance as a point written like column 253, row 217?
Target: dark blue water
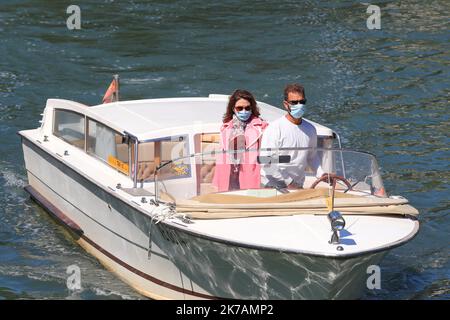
column 385, row 91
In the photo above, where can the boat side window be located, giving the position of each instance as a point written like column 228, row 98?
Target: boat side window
column 107, row 145
column 69, row 126
column 154, row 153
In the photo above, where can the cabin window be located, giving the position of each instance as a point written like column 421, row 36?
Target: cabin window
column 154, row 153
column 69, row 126
column 107, row 145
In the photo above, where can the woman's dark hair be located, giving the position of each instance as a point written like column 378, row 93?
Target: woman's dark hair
column 240, row 94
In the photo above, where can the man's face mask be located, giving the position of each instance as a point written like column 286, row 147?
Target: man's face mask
column 297, row 110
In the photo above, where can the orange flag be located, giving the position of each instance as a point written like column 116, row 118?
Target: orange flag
column 112, row 94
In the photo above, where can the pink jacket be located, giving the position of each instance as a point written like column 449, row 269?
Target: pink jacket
column 249, row 170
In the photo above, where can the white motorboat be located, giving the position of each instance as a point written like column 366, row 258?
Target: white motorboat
column 133, row 183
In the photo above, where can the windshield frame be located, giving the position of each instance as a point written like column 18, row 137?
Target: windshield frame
column 341, row 166
column 262, row 149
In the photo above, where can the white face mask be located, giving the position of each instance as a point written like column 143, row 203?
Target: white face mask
column 297, row 110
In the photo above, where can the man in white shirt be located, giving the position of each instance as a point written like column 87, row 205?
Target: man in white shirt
column 290, row 131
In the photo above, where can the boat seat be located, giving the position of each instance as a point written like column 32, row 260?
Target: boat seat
column 211, row 137
column 206, row 178
column 209, row 144
column 146, row 170
column 146, row 151
column 207, row 173
column 171, row 150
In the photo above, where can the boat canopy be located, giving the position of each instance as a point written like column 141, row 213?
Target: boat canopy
column 153, row 118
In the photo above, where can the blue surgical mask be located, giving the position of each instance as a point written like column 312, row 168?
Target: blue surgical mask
column 244, row 115
column 297, row 110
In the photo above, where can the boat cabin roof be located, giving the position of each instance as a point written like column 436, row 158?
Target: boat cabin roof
column 153, row 118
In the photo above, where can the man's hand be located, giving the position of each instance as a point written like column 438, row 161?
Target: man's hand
column 329, row 176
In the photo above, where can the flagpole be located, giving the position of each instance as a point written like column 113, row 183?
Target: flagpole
column 116, row 78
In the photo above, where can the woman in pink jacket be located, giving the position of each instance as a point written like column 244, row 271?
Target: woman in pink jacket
column 242, row 129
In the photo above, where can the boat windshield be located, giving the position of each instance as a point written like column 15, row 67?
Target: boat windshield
column 268, row 173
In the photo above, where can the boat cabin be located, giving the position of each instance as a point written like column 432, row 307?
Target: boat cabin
column 137, row 137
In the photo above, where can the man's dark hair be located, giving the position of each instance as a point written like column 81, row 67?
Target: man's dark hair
column 294, row 87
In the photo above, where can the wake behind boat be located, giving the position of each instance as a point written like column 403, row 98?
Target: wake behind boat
column 135, row 186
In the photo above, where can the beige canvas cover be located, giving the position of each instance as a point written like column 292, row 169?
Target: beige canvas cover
column 306, row 201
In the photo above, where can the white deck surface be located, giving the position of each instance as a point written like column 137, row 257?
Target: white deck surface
column 309, row 233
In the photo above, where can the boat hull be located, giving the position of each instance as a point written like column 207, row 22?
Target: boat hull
column 166, row 262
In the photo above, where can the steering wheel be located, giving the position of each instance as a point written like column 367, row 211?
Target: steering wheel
column 332, row 178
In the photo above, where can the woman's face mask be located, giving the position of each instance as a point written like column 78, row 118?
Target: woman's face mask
column 243, row 109
column 243, row 115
